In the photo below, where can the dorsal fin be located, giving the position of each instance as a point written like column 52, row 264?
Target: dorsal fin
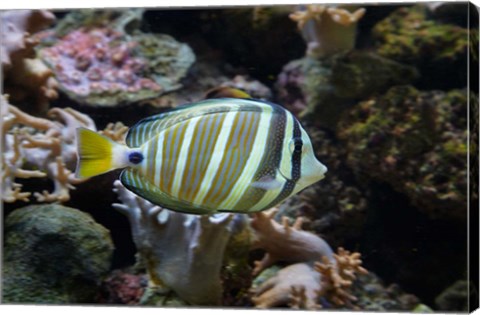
column 151, row 126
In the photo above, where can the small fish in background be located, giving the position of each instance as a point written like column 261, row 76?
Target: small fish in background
column 216, row 155
column 225, row 92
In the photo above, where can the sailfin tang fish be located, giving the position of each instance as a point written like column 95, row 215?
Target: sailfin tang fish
column 229, row 154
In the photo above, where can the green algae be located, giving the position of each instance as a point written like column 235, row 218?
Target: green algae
column 333, row 84
column 412, row 36
column 53, row 254
column 414, row 141
column 408, row 35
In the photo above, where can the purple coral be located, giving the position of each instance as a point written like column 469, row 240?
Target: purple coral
column 97, row 61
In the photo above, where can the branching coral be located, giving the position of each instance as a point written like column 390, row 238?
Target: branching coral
column 318, row 273
column 38, row 147
column 182, row 252
column 115, row 131
column 338, row 276
column 327, row 30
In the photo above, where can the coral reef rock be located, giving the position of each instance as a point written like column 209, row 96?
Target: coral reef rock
column 409, row 35
column 255, row 30
column 415, row 141
column 38, row 147
column 101, row 58
column 53, row 254
column 181, row 252
column 373, row 295
column 105, row 67
column 320, row 90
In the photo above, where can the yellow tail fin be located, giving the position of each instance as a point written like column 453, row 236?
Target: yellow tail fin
column 94, row 152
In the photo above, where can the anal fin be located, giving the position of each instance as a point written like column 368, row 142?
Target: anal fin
column 145, row 189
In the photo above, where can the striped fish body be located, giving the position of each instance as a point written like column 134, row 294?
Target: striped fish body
column 233, row 155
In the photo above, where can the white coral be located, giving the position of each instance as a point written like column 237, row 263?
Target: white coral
column 327, row 30
column 182, row 252
column 38, row 147
column 27, row 77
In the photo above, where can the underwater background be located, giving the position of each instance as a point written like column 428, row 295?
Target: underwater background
column 382, row 90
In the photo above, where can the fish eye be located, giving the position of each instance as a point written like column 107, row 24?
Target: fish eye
column 296, row 145
column 135, row 157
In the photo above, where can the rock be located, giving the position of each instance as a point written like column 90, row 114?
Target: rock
column 319, row 90
column 454, row 298
column 107, row 66
column 373, row 295
column 53, row 254
column 416, row 142
column 409, row 35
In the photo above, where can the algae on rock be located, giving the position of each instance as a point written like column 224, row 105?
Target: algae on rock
column 416, row 142
column 54, row 254
column 321, row 89
column 438, row 50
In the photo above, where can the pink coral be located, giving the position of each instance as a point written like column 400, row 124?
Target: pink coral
column 296, row 285
column 338, row 276
column 317, row 271
column 97, row 61
column 283, row 242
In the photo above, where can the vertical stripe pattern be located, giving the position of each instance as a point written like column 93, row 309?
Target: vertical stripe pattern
column 209, row 157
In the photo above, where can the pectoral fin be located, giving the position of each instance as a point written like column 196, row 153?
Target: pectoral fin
column 267, row 183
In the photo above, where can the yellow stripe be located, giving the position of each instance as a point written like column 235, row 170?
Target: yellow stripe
column 177, row 140
column 199, row 157
column 219, row 180
column 253, row 161
column 158, row 159
column 183, row 156
column 216, row 158
column 152, row 155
